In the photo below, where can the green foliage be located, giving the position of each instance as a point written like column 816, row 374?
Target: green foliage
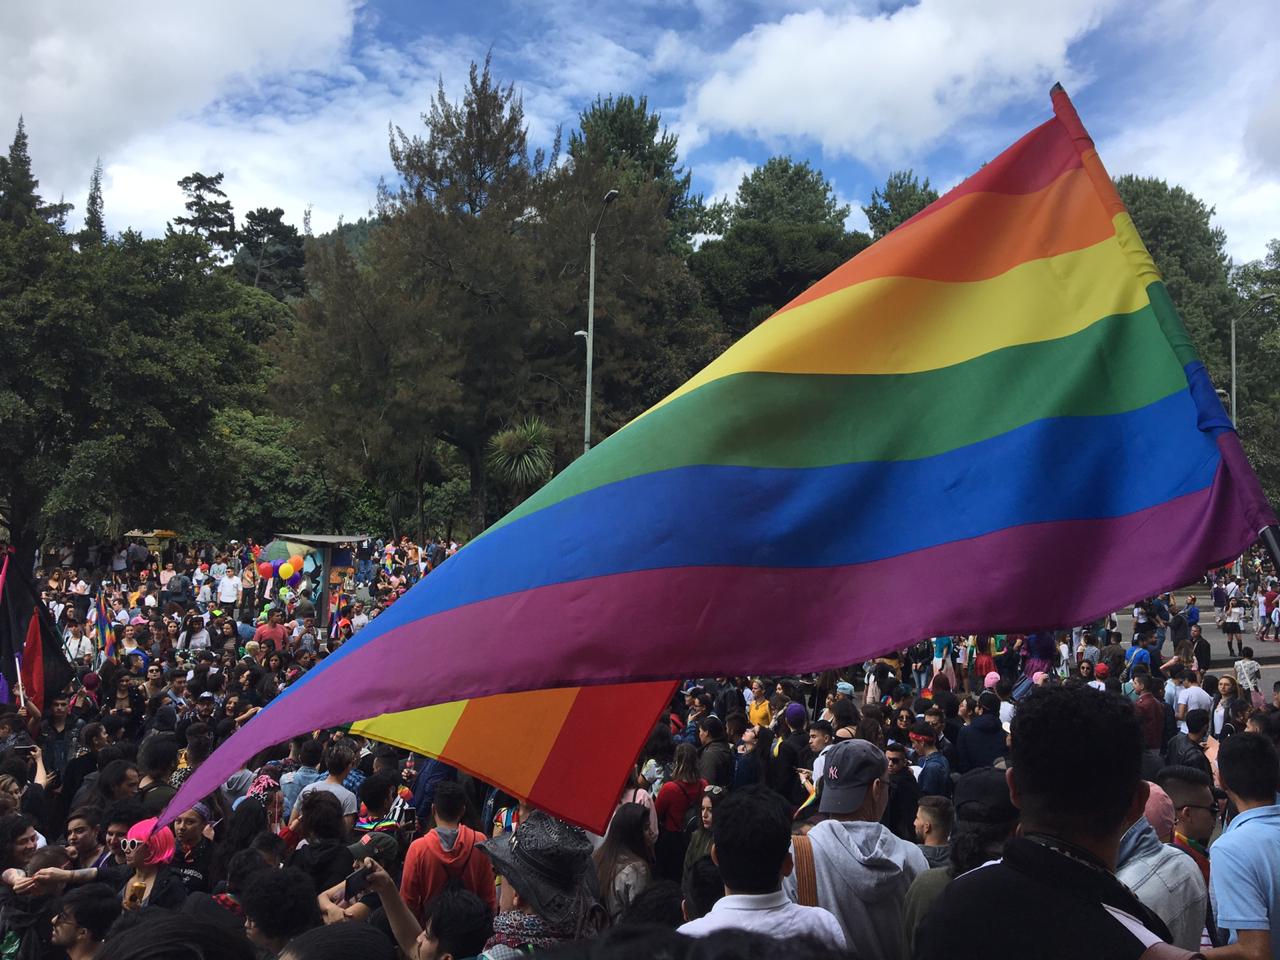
column 757, row 267
column 522, row 455
column 271, row 254
column 621, row 135
column 19, row 201
column 268, row 483
column 1191, row 254
column 903, row 196
column 209, row 211
column 783, row 191
column 95, row 227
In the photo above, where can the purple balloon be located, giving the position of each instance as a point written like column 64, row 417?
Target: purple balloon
column 295, row 580
column 276, row 565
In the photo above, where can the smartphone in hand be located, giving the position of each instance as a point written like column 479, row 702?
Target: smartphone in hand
column 357, row 882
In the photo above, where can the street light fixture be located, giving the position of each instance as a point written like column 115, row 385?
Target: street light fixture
column 590, row 332
column 1243, row 313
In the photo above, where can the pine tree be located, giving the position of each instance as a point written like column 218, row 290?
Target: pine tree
column 19, row 201
column 95, row 230
column 210, row 210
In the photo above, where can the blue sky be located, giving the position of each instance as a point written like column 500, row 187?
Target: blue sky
column 291, row 99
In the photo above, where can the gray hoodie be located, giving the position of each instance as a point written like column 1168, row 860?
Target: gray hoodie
column 863, row 873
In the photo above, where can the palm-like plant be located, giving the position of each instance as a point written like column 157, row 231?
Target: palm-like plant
column 521, row 455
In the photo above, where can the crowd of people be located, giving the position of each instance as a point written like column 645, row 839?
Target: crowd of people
column 1097, row 791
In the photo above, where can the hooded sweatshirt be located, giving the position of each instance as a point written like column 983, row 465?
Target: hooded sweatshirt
column 1166, row 880
column 863, row 873
column 443, row 855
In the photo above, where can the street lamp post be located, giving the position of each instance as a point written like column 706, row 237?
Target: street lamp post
column 590, row 332
column 1244, row 313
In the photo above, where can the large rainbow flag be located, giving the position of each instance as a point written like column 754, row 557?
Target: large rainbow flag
column 990, row 419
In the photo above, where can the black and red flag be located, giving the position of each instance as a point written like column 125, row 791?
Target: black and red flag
column 31, row 651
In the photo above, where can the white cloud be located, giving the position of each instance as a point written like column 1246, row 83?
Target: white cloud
column 1214, row 128
column 885, row 87
column 724, row 177
column 91, row 77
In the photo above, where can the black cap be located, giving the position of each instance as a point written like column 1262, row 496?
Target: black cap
column 982, row 796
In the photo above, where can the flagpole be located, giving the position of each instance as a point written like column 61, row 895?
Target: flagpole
column 1270, row 536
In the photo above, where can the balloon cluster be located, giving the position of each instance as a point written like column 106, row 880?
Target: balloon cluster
column 290, row 571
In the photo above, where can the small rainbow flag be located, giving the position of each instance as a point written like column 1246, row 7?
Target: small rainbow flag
column 997, row 400
column 103, row 625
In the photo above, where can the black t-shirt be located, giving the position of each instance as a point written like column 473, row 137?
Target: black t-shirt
column 192, row 866
column 1048, row 905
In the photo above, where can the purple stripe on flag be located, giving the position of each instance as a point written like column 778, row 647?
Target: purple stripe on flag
column 707, row 621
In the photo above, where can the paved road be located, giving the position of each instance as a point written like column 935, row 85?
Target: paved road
column 1266, row 652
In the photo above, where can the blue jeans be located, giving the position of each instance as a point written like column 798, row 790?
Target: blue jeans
column 364, row 571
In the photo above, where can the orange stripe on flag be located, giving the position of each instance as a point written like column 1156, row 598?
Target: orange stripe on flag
column 509, row 736
column 980, row 236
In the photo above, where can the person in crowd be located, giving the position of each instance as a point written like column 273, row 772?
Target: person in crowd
column 1245, row 860
column 1159, row 875
column 1188, row 748
column 83, row 919
column 624, row 863
column 310, row 758
column 193, row 852
column 821, row 736
column 1071, row 828
column 1191, row 696
column 279, row 905
column 318, row 820
column 682, row 792
column 982, row 741
column 700, row 840
column 860, row 869
column 935, row 772
column 1151, row 717
column 751, row 838
column 904, row 793
column 148, row 849
column 985, row 818
column 339, row 760
column 450, row 854
column 759, row 712
column 548, row 893
column 934, row 818
column 457, row 924
column 715, row 761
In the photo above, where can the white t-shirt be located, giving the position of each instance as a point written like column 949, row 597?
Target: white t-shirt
column 1195, row 698
column 350, row 806
column 229, row 588
column 1007, row 709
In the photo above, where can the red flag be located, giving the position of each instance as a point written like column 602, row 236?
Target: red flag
column 33, row 663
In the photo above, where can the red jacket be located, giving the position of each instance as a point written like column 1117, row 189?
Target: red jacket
column 428, row 868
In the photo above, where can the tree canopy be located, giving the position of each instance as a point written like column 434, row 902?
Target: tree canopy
column 419, row 369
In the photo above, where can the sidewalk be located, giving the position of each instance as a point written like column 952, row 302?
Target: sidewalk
column 1266, row 652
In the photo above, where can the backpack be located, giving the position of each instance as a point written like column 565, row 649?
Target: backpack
column 453, row 881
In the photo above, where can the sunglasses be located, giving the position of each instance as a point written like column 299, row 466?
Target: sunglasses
column 1212, row 808
column 712, row 790
column 130, row 844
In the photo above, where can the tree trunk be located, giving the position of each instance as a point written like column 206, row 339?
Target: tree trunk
column 479, row 490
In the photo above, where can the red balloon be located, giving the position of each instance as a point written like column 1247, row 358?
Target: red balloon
column 264, row 569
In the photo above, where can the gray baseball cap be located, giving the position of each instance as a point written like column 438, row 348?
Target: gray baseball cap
column 851, row 767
